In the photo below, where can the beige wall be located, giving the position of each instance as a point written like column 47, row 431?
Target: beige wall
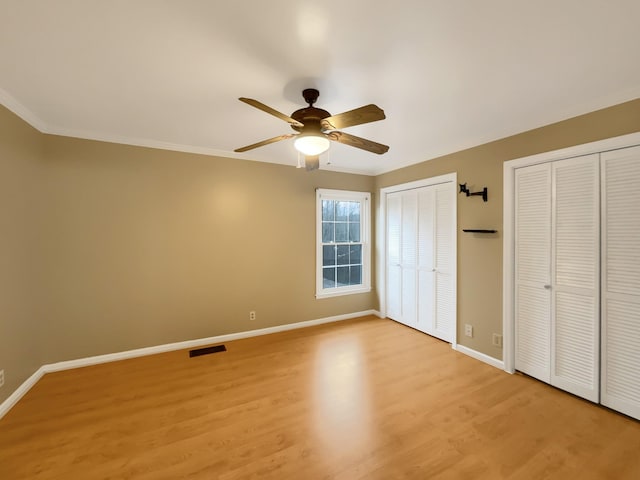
column 107, row 247
column 480, row 256
column 146, row 247
column 20, row 169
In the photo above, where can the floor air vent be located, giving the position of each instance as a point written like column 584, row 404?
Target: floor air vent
column 207, row 350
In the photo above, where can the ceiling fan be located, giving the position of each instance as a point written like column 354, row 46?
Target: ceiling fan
column 315, row 127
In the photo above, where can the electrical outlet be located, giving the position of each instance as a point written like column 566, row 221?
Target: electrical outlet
column 468, row 330
column 497, row 340
column 1, row 378
column 252, row 315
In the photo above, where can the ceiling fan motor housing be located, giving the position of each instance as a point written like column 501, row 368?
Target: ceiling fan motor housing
column 310, row 117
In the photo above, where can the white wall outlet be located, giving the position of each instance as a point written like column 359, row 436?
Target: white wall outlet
column 497, row 340
column 468, row 330
column 252, row 315
column 1, row 378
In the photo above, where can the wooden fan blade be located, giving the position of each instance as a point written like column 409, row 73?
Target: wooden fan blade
column 358, row 142
column 275, row 113
column 265, row 142
column 311, row 162
column 366, row 114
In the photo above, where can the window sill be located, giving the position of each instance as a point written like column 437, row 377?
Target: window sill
column 341, row 292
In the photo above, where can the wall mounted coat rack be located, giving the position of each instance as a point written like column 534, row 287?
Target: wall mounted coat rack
column 464, row 189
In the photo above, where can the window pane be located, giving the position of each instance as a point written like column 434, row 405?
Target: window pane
column 343, row 276
column 327, row 210
column 355, row 254
column 354, row 211
column 328, row 255
column 355, row 276
column 343, row 254
column 328, row 277
column 342, row 233
column 343, row 219
column 327, row 232
column 354, row 232
column 342, row 211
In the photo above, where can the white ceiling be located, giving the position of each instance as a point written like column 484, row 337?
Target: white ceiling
column 450, row 74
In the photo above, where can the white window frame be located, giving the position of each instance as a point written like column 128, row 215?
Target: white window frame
column 365, row 239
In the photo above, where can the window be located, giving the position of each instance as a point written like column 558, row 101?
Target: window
column 342, row 247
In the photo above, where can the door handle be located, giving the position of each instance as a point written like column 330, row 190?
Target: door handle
column 547, row 287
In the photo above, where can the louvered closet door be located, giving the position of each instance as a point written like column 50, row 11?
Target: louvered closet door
column 575, row 267
column 620, row 380
column 426, row 261
column 394, row 272
column 421, row 250
column 532, row 271
column 409, row 257
column 445, row 251
column 402, row 256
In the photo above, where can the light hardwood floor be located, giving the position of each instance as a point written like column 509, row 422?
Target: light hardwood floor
column 367, row 398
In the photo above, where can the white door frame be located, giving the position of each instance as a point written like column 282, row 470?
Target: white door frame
column 508, row 246
column 381, row 239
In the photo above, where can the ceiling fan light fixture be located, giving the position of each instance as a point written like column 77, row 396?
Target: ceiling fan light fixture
column 311, row 144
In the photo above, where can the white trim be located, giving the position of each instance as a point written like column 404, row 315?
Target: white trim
column 168, row 347
column 24, row 113
column 9, row 102
column 494, row 362
column 343, row 291
column 151, row 143
column 20, row 392
column 185, row 148
column 508, row 246
column 600, row 146
column 508, row 269
column 364, row 198
column 381, row 240
column 425, row 182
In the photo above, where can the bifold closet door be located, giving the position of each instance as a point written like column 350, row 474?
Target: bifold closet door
column 421, row 258
column 575, row 281
column 436, row 250
column 444, row 317
column 394, row 270
column 533, row 271
column 620, row 383
column 402, row 251
column 409, row 258
column 426, row 260
column 557, row 274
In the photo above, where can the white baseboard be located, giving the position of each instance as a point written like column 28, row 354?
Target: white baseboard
column 494, row 362
column 168, row 347
column 20, row 392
